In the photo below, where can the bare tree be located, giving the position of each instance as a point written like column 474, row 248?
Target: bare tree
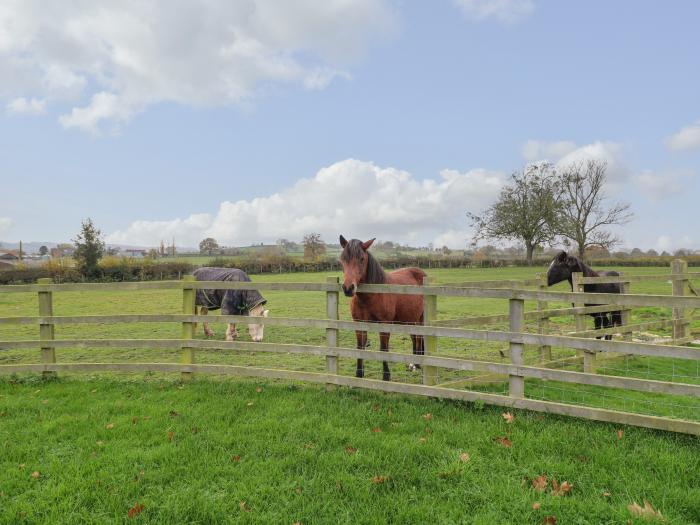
column 525, row 211
column 585, row 219
column 208, row 245
column 314, row 247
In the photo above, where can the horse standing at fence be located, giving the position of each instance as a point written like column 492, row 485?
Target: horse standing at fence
column 231, row 302
column 360, row 267
column 562, row 268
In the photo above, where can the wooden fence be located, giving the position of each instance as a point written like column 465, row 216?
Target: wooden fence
column 516, row 371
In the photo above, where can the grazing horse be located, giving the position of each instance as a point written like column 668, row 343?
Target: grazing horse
column 360, row 267
column 231, row 302
column 561, row 269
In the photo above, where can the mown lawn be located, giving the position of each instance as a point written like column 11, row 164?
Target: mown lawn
column 88, row 450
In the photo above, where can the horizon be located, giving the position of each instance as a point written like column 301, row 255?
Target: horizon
column 376, row 118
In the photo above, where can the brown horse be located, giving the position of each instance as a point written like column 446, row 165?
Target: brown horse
column 360, row 267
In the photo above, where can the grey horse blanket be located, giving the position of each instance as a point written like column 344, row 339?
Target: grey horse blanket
column 231, row 302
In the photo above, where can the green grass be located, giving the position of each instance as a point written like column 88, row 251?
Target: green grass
column 284, row 452
column 292, row 439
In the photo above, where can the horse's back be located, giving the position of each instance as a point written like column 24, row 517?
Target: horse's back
column 411, row 275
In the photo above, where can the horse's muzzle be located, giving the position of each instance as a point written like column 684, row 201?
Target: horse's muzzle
column 349, row 292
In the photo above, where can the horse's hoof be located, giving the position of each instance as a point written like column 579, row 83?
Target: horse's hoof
column 359, row 373
column 386, row 377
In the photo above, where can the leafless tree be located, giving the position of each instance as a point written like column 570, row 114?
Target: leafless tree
column 314, row 247
column 585, row 219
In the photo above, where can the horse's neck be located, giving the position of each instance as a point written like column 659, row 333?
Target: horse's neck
column 586, row 270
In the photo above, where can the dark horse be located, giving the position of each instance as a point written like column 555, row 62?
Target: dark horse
column 360, row 267
column 561, row 269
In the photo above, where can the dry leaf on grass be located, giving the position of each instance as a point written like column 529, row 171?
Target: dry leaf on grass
column 378, row 480
column 423, row 440
column 646, row 512
column 606, row 494
column 504, row 441
column 464, row 457
column 376, row 430
column 236, row 458
column 173, row 413
column 171, row 435
column 242, row 505
column 258, row 390
column 21, row 466
column 508, row 417
column 109, row 426
column 620, row 433
column 539, row 483
column 35, row 474
column 135, row 510
column 350, row 450
column 549, row 520
column 375, row 408
column 249, row 404
column 536, row 505
column 428, row 416
column 561, row 489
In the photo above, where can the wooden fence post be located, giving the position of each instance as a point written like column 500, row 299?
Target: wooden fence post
column 543, row 322
column 188, row 308
column 430, row 343
column 46, row 330
column 516, row 308
column 332, row 333
column 589, row 358
column 681, row 287
column 625, row 313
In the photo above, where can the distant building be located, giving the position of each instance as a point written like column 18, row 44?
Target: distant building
column 9, row 255
column 62, row 251
column 135, row 253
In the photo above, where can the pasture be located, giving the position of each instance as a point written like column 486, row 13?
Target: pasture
column 311, row 456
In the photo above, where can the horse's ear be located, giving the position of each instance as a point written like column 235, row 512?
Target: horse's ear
column 562, row 256
column 343, row 242
column 367, row 244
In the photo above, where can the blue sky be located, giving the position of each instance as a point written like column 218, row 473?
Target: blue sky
column 251, row 120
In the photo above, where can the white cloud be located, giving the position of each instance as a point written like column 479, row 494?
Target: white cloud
column 113, row 59
column 506, row 11
column 670, row 244
column 31, row 106
column 688, row 138
column 534, row 150
column 351, row 197
column 5, row 224
column 660, row 185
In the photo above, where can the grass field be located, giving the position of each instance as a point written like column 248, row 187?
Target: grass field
column 292, row 439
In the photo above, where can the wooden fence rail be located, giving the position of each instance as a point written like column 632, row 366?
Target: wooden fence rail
column 515, row 337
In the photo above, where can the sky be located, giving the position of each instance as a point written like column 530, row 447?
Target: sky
column 253, row 120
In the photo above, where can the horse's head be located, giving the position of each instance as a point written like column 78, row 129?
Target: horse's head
column 562, row 267
column 354, row 259
column 256, row 331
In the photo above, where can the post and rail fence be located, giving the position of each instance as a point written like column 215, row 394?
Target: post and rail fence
column 517, row 339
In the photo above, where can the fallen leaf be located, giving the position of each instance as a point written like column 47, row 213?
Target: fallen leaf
column 236, row 458
column 549, row 520
column 428, row 416
column 99, row 443
column 37, row 391
column 561, row 490
column 21, row 466
column 504, row 441
column 195, row 430
column 375, row 408
column 35, row 474
column 171, row 435
column 647, row 512
column 378, row 480
column 258, row 390
column 93, row 391
column 309, row 445
column 423, row 440
column 350, row 450
column 464, row 457
column 135, row 510
column 619, row 434
column 298, row 490
column 173, row 413
column 508, row 417
column 606, row 494
column 242, row 505
column 249, row 403
column 45, row 402
column 134, row 420
column 539, row 483
column 376, row 430
column 109, row 426
column 536, row 506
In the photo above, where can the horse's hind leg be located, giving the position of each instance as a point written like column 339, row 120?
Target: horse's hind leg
column 203, row 310
column 361, row 345
column 608, row 323
column 418, row 349
column 598, row 319
column 384, row 347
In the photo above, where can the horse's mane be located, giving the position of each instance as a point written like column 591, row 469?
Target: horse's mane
column 375, row 272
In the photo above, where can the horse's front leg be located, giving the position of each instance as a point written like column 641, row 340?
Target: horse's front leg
column 384, row 347
column 361, row 345
column 608, row 323
column 231, row 332
column 203, row 310
column 598, row 319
